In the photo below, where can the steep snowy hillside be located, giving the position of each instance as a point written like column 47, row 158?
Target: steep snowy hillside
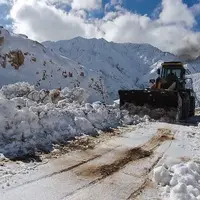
column 98, row 66
column 120, row 65
column 24, row 60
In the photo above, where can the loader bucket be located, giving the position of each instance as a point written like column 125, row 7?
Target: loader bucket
column 152, row 99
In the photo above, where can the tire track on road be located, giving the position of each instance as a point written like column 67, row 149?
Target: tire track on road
column 63, row 170
column 142, row 187
column 144, row 151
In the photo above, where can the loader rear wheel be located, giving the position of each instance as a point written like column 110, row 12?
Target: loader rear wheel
column 186, row 107
column 192, row 107
column 183, row 107
column 179, row 114
column 179, row 109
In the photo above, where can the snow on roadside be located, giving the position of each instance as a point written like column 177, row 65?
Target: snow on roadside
column 180, row 181
column 32, row 120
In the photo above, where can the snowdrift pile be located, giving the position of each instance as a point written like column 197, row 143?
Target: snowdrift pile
column 32, row 120
column 180, row 182
column 161, row 114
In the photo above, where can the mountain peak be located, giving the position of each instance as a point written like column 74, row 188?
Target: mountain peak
column 99, row 66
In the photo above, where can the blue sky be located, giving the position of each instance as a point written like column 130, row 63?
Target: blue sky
column 142, row 6
column 148, row 7
column 138, row 6
column 4, row 11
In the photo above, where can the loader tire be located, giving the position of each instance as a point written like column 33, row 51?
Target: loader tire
column 186, row 107
column 183, row 107
column 179, row 109
column 192, row 107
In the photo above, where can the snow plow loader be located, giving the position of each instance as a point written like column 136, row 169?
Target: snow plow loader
column 168, row 96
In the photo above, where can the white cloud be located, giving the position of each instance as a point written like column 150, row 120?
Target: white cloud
column 4, row 2
column 126, row 27
column 170, row 31
column 42, row 22
column 196, row 9
column 86, row 4
column 175, row 11
column 114, row 2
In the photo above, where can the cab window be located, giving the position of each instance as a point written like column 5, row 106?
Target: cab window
column 167, row 71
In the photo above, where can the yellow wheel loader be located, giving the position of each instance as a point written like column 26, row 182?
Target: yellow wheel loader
column 168, row 93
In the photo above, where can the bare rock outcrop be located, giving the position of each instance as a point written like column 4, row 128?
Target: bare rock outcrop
column 16, row 58
column 1, row 40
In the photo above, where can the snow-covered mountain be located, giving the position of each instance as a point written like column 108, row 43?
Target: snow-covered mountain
column 24, row 60
column 121, row 65
column 100, row 67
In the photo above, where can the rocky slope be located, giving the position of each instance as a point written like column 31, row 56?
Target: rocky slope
column 24, row 60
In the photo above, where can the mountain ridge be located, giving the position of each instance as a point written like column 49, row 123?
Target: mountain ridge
column 98, row 66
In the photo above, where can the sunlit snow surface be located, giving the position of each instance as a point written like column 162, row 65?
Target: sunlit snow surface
column 180, row 181
column 32, row 120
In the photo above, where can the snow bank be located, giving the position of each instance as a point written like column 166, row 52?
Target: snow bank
column 180, row 182
column 32, row 120
column 155, row 113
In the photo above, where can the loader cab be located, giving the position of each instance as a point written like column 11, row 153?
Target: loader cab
column 172, row 72
column 175, row 68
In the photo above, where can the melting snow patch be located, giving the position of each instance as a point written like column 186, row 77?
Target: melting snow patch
column 32, row 120
column 179, row 182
